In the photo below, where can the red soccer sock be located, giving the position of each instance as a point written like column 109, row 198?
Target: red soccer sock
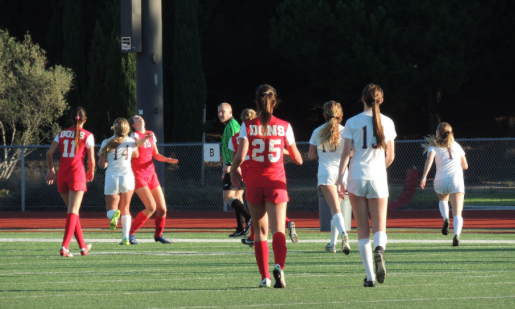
column 69, row 229
column 160, row 225
column 252, row 233
column 138, row 222
column 78, row 234
column 261, row 253
column 279, row 246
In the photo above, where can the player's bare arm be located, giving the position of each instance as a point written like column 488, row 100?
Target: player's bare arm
column 312, row 153
column 427, row 167
column 50, row 176
column 140, row 142
column 390, row 153
column 344, row 161
column 90, row 174
column 102, row 162
column 295, row 153
column 159, row 157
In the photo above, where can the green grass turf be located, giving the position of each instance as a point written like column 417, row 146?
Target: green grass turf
column 211, row 274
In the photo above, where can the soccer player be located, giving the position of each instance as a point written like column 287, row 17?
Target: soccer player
column 372, row 135
column 232, row 196
column 326, row 145
column 147, row 185
column 73, row 144
column 115, row 154
column 450, row 163
column 249, row 114
column 264, row 139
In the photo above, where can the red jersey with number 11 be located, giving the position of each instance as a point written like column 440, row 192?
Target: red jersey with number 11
column 143, row 166
column 71, row 164
column 266, row 166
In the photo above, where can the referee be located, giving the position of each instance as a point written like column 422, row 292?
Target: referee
column 232, row 196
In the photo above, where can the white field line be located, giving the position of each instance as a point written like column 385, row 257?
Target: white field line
column 306, row 241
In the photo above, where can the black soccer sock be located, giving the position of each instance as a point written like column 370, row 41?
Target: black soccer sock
column 240, row 221
column 238, row 205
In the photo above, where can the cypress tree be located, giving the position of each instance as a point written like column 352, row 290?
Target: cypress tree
column 55, row 34
column 73, row 51
column 189, row 82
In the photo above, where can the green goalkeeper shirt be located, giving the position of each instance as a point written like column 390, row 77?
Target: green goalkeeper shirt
column 231, row 128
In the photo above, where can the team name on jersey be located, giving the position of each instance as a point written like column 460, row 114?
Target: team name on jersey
column 274, row 130
column 70, row 134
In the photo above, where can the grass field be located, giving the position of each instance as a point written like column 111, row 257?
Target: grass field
column 207, row 270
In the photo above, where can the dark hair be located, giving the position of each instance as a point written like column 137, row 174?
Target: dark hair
column 373, row 95
column 77, row 116
column 266, row 100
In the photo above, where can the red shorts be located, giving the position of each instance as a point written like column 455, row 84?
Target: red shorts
column 65, row 187
column 258, row 195
column 151, row 182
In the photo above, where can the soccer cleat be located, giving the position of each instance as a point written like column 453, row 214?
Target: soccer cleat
column 162, row 240
column 345, row 244
column 237, row 234
column 293, row 232
column 279, row 277
column 132, row 240
column 65, row 252
column 445, row 228
column 247, row 242
column 247, row 228
column 369, row 284
column 330, row 248
column 114, row 220
column 125, row 242
column 456, row 241
column 84, row 251
column 379, row 264
column 265, row 283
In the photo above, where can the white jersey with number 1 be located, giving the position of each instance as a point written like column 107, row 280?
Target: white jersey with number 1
column 119, row 160
column 368, row 162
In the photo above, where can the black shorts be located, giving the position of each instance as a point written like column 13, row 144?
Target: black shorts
column 227, row 184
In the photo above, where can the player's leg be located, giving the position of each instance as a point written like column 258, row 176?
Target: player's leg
column 63, row 190
column 360, row 211
column 457, row 208
column 160, row 219
column 443, row 205
column 73, row 200
column 260, row 227
column 377, row 208
column 113, row 213
column 277, row 218
column 145, row 195
column 244, row 212
column 125, row 202
column 333, row 200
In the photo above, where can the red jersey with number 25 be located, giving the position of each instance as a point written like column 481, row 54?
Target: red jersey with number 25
column 71, row 164
column 143, row 166
column 266, row 166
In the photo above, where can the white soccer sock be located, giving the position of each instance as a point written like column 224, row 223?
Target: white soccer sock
column 339, row 223
column 365, row 250
column 110, row 214
column 444, row 209
column 126, row 226
column 334, row 234
column 380, row 239
column 458, row 225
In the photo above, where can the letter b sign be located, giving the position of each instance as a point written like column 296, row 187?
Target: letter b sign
column 212, row 152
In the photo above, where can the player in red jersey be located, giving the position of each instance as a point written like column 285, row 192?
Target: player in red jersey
column 264, row 139
column 73, row 144
column 147, row 186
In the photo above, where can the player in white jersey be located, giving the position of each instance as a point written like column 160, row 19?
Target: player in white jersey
column 115, row 155
column 326, row 145
column 450, row 163
column 371, row 135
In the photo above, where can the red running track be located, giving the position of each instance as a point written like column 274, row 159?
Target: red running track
column 473, row 219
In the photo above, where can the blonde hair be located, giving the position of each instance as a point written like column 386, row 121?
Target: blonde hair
column 330, row 133
column 248, row 114
column 121, row 130
column 444, row 138
column 373, row 96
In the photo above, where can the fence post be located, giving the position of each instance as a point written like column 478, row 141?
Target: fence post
column 22, row 178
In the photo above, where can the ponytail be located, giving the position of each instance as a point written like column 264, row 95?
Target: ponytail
column 373, row 96
column 330, row 133
column 77, row 116
column 266, row 100
column 121, row 130
column 443, row 139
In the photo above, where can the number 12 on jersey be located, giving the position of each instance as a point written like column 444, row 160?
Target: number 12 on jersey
column 274, row 152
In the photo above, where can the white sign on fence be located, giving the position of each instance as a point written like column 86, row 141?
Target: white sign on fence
column 212, row 152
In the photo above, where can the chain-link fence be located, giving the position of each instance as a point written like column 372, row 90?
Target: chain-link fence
column 195, row 185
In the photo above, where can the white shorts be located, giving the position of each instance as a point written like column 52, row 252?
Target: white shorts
column 449, row 185
column 368, row 188
column 118, row 184
column 328, row 179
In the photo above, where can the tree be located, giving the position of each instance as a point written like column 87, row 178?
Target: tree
column 32, row 98
column 189, row 82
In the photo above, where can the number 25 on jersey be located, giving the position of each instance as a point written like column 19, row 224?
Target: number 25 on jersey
column 274, row 152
